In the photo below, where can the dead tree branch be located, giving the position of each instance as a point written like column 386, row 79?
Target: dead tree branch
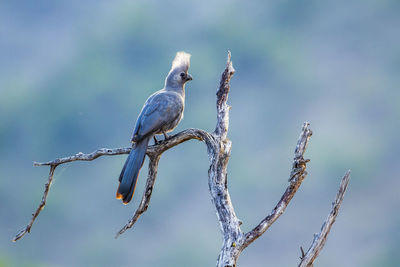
column 219, row 151
column 319, row 241
column 297, row 176
column 217, row 175
column 27, row 229
column 153, row 152
column 144, row 203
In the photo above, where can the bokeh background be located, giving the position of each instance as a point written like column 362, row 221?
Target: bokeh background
column 74, row 75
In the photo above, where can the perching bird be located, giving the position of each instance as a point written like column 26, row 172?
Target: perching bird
column 160, row 114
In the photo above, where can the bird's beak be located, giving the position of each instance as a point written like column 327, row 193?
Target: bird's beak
column 189, row 77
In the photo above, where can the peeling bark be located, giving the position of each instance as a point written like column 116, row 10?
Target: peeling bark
column 219, row 151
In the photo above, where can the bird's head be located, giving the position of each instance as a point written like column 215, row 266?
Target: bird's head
column 178, row 75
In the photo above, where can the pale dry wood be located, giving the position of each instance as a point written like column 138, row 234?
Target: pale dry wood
column 144, row 203
column 297, row 176
column 152, row 151
column 86, row 157
column 217, row 175
column 319, row 241
column 27, row 229
column 218, row 149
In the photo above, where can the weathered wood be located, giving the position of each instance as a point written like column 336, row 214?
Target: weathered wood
column 319, row 241
column 217, row 175
column 297, row 176
column 219, row 151
column 27, row 229
column 152, row 151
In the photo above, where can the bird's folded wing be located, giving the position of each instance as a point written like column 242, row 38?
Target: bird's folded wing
column 158, row 112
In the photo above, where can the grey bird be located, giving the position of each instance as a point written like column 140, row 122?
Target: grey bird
column 160, row 114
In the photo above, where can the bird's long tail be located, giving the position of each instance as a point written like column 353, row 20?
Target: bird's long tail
column 130, row 171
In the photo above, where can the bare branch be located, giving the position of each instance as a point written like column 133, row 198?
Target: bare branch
column 27, row 229
column 86, row 157
column 179, row 138
column 219, row 151
column 159, row 148
column 320, row 239
column 217, row 182
column 144, row 204
column 153, row 151
column 297, row 176
column 222, row 97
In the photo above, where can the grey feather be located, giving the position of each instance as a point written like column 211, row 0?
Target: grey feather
column 161, row 113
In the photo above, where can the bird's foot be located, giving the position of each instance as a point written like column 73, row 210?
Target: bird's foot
column 133, row 143
column 156, row 142
column 165, row 136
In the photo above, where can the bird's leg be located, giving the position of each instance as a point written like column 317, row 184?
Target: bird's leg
column 156, row 142
column 165, row 135
column 133, row 142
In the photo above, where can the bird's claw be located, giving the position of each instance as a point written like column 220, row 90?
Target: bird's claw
column 165, row 136
column 156, row 142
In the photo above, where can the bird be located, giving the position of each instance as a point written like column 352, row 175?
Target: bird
column 161, row 113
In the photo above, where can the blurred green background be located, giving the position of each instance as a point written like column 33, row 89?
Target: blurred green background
column 75, row 74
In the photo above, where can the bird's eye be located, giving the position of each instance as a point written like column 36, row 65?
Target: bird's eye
column 182, row 74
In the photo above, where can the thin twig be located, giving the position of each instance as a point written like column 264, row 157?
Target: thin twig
column 297, row 176
column 86, row 157
column 27, row 229
column 320, row 239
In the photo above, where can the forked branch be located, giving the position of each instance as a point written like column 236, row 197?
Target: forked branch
column 153, row 152
column 219, row 150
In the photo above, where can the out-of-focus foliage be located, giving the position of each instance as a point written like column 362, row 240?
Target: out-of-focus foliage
column 74, row 75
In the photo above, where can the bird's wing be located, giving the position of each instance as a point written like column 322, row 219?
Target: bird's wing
column 159, row 110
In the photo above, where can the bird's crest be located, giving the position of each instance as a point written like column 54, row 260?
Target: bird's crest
column 181, row 61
